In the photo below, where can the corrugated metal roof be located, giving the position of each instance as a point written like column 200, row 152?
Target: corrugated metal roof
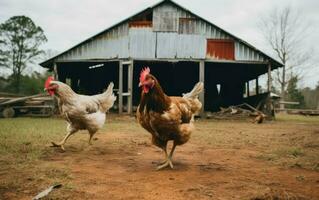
column 243, row 50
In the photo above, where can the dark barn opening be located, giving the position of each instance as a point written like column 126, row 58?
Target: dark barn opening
column 89, row 77
column 175, row 78
column 225, row 83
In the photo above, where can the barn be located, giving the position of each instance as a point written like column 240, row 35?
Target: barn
column 180, row 47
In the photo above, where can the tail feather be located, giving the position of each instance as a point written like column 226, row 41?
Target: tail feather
column 109, row 89
column 107, row 98
column 198, row 88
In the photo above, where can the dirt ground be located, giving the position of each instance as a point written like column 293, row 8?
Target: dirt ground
column 223, row 160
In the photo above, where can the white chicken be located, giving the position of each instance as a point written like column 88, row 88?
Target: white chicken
column 82, row 112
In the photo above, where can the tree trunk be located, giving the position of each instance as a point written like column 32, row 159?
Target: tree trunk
column 283, row 84
column 18, row 83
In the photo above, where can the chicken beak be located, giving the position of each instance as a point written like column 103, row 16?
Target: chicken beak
column 140, row 84
column 45, row 89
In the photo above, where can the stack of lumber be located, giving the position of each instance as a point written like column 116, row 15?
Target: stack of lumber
column 241, row 111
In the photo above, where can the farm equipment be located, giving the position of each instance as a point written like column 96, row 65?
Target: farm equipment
column 40, row 105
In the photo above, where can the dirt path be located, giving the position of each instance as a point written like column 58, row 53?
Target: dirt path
column 113, row 169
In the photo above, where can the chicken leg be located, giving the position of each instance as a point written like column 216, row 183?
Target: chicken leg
column 91, row 136
column 168, row 161
column 71, row 131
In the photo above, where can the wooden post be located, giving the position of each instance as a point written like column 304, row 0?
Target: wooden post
column 247, row 89
column 269, row 77
column 257, row 86
column 120, row 91
column 55, row 71
column 202, row 79
column 130, row 88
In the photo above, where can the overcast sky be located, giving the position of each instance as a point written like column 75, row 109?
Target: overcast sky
column 68, row 22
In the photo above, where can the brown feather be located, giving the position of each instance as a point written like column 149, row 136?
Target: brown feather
column 168, row 118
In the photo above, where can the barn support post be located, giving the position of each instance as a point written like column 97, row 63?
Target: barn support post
column 257, row 86
column 269, row 77
column 55, row 71
column 247, row 89
column 130, row 88
column 120, row 91
column 202, row 79
column 269, row 105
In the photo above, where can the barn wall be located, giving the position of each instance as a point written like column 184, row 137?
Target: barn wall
column 173, row 33
column 112, row 44
column 142, row 42
column 174, row 45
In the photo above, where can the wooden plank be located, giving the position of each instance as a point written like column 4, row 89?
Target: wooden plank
column 257, row 86
column 130, row 88
column 21, row 99
column 55, row 71
column 120, row 92
column 247, row 89
column 269, row 77
column 202, row 79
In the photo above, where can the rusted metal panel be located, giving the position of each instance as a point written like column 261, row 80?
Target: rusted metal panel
column 165, row 18
column 173, row 45
column 142, row 43
column 220, row 49
column 140, row 24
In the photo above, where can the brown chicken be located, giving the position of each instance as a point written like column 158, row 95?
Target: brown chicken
column 167, row 118
column 80, row 111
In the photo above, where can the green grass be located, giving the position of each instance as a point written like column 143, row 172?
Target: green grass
column 297, row 118
column 26, row 138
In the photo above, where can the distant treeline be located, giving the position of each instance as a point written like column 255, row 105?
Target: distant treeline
column 311, row 97
column 30, row 85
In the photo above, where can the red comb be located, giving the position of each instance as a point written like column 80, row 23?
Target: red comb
column 144, row 72
column 47, row 84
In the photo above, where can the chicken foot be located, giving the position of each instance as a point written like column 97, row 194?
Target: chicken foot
column 61, row 144
column 168, row 162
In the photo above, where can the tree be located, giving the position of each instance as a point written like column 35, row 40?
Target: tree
column 294, row 94
column 284, row 31
column 20, row 40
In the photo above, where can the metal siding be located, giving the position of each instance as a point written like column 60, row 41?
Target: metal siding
column 191, row 46
column 142, row 43
column 166, row 45
column 245, row 53
column 173, row 45
column 113, row 44
column 165, row 18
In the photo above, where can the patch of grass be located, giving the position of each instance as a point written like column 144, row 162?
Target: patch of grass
column 296, row 152
column 297, row 118
column 267, row 157
column 26, row 139
column 300, row 178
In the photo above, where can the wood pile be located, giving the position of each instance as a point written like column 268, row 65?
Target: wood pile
column 40, row 105
column 242, row 111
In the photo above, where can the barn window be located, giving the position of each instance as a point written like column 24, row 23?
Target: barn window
column 142, row 20
column 187, row 25
column 220, row 49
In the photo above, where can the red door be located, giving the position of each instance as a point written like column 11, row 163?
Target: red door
column 220, row 49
